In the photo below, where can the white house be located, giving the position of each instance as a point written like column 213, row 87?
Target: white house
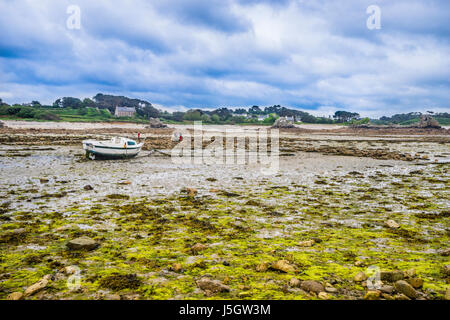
column 124, row 112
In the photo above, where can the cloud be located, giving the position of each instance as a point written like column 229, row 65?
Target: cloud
column 318, row 56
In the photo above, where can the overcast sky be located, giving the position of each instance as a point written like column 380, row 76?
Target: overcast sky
column 317, row 56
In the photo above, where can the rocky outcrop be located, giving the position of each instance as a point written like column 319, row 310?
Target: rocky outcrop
column 156, row 123
column 427, row 121
column 283, row 123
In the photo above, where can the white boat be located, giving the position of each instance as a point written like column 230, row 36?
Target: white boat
column 117, row 147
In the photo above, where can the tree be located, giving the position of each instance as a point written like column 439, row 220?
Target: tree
column 178, row 116
column 89, row 103
column 193, row 115
column 255, row 110
column 215, row 118
column 148, row 111
column 68, row 102
column 344, row 116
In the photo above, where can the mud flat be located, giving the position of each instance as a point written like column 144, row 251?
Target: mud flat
column 340, row 206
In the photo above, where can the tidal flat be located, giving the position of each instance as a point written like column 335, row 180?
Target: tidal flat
column 340, row 206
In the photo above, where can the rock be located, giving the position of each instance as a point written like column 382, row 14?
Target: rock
column 212, row 286
column 2, row 125
column 15, row 296
column 283, row 123
column 308, row 243
column 404, row 287
column 387, row 296
column 331, row 289
column 262, row 267
column 176, row 267
column 38, row 286
column 444, row 252
column 427, row 121
column 324, row 296
column 294, row 283
column 112, row 297
column 416, row 282
column 88, row 187
column 372, row 295
column 392, row 224
column 283, row 265
column 192, row 192
column 446, row 270
column 360, row 276
column 391, row 276
column 156, row 123
column 409, row 273
column 312, row 286
column 401, row 296
column 82, row 243
column 447, row 294
column 13, row 235
column 196, row 248
column 387, row 289
column 71, row 270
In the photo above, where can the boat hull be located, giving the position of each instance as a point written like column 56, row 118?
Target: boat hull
column 105, row 152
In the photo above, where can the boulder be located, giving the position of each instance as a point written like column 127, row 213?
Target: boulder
column 427, row 121
column 404, row 287
column 2, row 125
column 212, row 286
column 372, row 295
column 294, row 283
column 156, row 123
column 312, row 286
column 15, row 296
column 416, row 282
column 391, row 276
column 283, row 265
column 360, row 276
column 283, row 123
column 38, row 286
column 82, row 243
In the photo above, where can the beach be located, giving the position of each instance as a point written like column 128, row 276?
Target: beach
column 340, row 204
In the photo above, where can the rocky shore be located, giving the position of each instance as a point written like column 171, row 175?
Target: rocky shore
column 347, row 216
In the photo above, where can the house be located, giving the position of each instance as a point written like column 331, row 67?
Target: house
column 124, row 112
column 263, row 117
column 290, row 118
